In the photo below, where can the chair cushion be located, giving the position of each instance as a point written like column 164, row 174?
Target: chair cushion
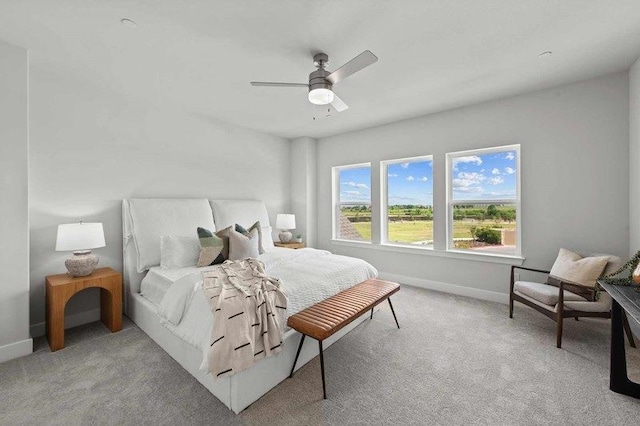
column 603, row 304
column 545, row 293
column 574, row 268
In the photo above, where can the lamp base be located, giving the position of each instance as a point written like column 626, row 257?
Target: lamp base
column 82, row 263
column 285, row 236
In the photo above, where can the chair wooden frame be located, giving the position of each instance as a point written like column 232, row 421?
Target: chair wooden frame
column 561, row 313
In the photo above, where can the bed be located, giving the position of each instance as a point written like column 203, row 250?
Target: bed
column 166, row 305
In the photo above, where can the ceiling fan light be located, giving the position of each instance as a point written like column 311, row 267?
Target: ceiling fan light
column 320, row 96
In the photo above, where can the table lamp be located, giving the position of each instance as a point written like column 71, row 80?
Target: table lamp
column 80, row 238
column 285, row 222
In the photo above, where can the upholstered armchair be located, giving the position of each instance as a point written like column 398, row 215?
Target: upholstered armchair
column 559, row 299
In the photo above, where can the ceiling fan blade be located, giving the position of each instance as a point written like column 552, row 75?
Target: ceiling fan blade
column 267, row 84
column 338, row 104
column 361, row 61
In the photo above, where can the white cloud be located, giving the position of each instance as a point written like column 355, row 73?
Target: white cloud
column 509, row 156
column 495, row 171
column 469, row 181
column 500, row 195
column 393, row 175
column 468, row 189
column 410, row 178
column 354, row 195
column 468, row 159
column 473, row 176
column 355, row 185
column 509, row 170
column 397, row 199
column 404, row 165
column 424, row 179
column 482, row 170
column 497, row 180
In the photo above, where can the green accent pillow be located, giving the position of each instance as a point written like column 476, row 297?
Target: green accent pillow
column 241, row 229
column 211, row 247
column 224, row 234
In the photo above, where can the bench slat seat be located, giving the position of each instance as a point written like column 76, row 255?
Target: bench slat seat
column 327, row 317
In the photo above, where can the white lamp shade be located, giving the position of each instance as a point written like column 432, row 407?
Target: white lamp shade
column 286, row 221
column 79, row 236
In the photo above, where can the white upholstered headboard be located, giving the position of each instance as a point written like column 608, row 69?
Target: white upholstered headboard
column 130, row 275
column 243, row 212
column 177, row 221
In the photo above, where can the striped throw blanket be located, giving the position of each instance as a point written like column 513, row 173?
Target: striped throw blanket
column 249, row 312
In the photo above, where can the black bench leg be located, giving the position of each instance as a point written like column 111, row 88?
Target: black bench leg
column 371, row 314
column 324, row 389
column 393, row 312
column 297, row 355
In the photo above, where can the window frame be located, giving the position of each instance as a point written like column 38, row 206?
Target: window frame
column 450, row 202
column 384, row 207
column 335, row 200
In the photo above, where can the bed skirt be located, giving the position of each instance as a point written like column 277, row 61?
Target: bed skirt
column 241, row 390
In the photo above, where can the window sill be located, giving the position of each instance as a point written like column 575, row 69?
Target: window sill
column 429, row 251
column 351, row 243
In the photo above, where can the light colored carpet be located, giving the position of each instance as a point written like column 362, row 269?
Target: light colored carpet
column 455, row 361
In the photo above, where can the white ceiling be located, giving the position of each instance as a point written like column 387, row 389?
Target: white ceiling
column 434, row 55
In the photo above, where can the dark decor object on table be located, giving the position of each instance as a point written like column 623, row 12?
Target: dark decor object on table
column 633, row 265
column 636, row 275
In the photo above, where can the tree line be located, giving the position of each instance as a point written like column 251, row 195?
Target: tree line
column 505, row 213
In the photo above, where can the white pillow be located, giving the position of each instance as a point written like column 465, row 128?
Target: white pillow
column 178, row 252
column 267, row 238
column 241, row 247
column 152, row 218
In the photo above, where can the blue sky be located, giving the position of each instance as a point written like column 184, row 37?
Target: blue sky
column 409, row 183
column 355, row 185
column 486, row 177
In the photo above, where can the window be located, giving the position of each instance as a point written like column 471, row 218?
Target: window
column 407, row 201
column 484, row 200
column 352, row 202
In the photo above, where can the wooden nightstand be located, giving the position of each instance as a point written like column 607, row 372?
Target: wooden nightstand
column 292, row 245
column 60, row 288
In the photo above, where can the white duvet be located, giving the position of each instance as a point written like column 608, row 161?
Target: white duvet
column 307, row 275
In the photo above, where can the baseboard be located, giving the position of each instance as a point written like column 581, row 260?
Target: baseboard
column 70, row 321
column 16, row 350
column 476, row 293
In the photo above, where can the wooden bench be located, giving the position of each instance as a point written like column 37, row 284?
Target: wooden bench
column 325, row 318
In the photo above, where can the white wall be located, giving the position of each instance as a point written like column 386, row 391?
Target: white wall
column 91, row 147
column 575, row 182
column 634, row 167
column 303, row 188
column 634, row 158
column 14, row 225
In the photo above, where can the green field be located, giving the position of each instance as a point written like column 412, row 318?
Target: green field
column 410, row 232
column 461, row 212
column 414, row 223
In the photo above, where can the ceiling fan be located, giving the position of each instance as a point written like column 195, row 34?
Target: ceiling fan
column 321, row 81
